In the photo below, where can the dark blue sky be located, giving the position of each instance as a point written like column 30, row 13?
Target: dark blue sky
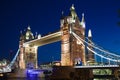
column 44, row 17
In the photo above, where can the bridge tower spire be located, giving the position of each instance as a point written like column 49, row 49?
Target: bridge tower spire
column 90, row 59
column 71, row 50
column 73, row 13
column 83, row 21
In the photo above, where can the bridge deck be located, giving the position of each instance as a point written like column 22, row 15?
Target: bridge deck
column 97, row 66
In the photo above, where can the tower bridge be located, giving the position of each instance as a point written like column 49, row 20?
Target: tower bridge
column 73, row 46
column 73, row 43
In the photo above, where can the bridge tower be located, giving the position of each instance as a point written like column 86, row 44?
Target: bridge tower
column 28, row 53
column 71, row 48
column 21, row 61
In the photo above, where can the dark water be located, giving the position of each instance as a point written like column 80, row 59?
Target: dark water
column 26, row 79
column 32, row 78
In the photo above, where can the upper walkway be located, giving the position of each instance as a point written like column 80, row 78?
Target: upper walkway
column 54, row 37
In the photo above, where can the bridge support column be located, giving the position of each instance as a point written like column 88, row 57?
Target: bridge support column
column 21, row 56
column 115, row 73
column 65, row 44
column 31, row 56
column 28, row 56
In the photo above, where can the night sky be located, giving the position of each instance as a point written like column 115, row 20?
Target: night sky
column 44, row 17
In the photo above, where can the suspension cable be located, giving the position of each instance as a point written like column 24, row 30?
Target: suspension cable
column 104, row 50
column 13, row 61
column 103, row 56
column 95, row 46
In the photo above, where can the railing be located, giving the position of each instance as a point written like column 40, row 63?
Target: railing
column 97, row 66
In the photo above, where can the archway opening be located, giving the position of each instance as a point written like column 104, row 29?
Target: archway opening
column 49, row 53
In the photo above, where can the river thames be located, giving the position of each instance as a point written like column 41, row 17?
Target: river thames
column 31, row 78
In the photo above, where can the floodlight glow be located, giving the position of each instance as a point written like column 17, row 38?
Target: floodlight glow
column 31, row 71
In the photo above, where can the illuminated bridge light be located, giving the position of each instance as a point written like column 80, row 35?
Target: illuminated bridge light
column 1, row 74
column 32, row 71
column 97, row 66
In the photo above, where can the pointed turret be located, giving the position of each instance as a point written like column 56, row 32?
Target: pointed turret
column 72, row 7
column 62, row 19
column 29, row 34
column 89, row 33
column 62, row 15
column 39, row 36
column 83, row 21
column 28, row 28
column 73, row 12
column 21, row 35
column 36, row 35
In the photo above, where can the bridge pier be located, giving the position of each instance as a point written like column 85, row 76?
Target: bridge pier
column 71, row 73
column 17, row 73
column 116, row 73
column 85, row 74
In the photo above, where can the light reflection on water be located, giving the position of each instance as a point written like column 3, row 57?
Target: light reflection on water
column 33, row 78
column 29, row 77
